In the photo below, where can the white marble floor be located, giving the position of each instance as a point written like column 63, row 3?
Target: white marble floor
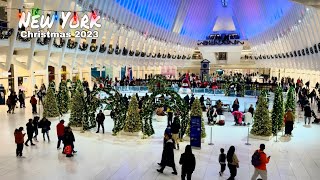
column 103, row 156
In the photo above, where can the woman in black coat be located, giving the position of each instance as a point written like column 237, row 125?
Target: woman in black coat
column 168, row 155
column 188, row 162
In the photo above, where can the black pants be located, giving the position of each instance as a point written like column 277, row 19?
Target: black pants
column 19, row 149
column 30, row 136
column 60, row 138
column 34, row 108
column 173, row 168
column 100, row 124
column 222, row 167
column 288, row 127
column 170, row 116
column 36, row 132
column 184, row 174
column 22, row 104
column 233, row 171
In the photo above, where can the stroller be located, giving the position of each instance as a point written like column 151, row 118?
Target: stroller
column 316, row 119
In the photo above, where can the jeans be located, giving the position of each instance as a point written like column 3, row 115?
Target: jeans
column 100, row 124
column 30, row 136
column 46, row 132
column 222, row 167
column 233, row 171
column 184, row 174
column 262, row 173
column 19, row 149
column 60, row 138
column 305, row 119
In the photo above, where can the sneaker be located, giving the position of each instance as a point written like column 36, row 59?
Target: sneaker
column 32, row 144
column 97, row 132
column 175, row 173
column 26, row 144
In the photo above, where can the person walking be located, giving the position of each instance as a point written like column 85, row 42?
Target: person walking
column 36, row 126
column 168, row 156
column 222, row 161
column 170, row 116
column 260, row 161
column 100, row 119
column 33, row 102
column 188, row 162
column 22, row 99
column 175, row 128
column 19, row 140
column 233, row 162
column 45, row 125
column 60, row 132
column 13, row 101
column 8, row 103
column 69, row 140
column 288, row 121
column 307, row 114
column 30, row 131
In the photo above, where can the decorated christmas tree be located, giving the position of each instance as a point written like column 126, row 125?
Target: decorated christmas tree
column 291, row 102
column 277, row 111
column 197, row 111
column 63, row 98
column 77, row 108
column 50, row 106
column 133, row 122
column 262, row 125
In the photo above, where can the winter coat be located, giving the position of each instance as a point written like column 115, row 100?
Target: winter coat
column 175, row 127
column 188, row 162
column 60, row 129
column 13, row 99
column 45, row 125
column 251, row 110
column 19, row 137
column 235, row 107
column 168, row 154
column 307, row 111
column 289, row 116
column 68, row 138
column 30, row 128
column 33, row 100
column 100, row 117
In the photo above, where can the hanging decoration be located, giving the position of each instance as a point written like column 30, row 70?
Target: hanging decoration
column 84, row 46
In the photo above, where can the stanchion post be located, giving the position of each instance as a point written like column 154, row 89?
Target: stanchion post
column 247, row 143
column 210, row 137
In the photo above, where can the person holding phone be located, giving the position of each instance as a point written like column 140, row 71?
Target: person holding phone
column 261, row 169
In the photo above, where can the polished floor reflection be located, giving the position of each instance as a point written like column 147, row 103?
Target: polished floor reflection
column 103, row 156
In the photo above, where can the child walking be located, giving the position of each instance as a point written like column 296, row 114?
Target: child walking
column 222, row 161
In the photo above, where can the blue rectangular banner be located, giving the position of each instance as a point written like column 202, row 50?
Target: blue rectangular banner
column 195, row 131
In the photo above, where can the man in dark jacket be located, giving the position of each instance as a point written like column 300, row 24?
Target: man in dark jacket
column 307, row 114
column 175, row 128
column 30, row 130
column 186, row 99
column 168, row 156
column 188, row 162
column 100, row 119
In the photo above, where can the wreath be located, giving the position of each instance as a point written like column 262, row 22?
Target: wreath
column 175, row 103
column 156, row 81
column 238, row 84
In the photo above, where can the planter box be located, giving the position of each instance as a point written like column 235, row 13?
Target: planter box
column 107, row 112
column 265, row 138
column 187, row 138
column 161, row 118
column 136, row 134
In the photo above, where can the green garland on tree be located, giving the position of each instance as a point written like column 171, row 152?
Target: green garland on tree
column 262, row 125
column 277, row 111
column 50, row 106
column 63, row 98
column 133, row 121
column 119, row 111
column 291, row 101
column 196, row 110
column 77, row 108
column 155, row 81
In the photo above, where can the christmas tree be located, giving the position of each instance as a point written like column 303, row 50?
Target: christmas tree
column 262, row 125
column 133, row 122
column 291, row 102
column 277, row 111
column 63, row 98
column 50, row 106
column 197, row 111
column 77, row 107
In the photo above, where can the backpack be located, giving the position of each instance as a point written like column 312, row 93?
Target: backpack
column 255, row 160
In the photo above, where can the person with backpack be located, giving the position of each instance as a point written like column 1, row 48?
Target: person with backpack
column 259, row 161
column 222, row 161
column 233, row 162
column 188, row 162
